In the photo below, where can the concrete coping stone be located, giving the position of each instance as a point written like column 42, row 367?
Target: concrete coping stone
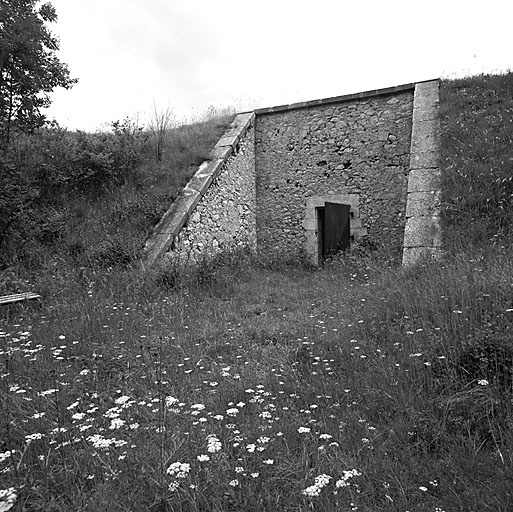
column 340, row 99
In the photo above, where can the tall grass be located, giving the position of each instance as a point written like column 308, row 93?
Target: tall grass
column 246, row 387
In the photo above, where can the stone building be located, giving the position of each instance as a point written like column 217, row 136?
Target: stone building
column 309, row 179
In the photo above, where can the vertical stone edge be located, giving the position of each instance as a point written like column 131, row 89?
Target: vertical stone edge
column 176, row 217
column 423, row 230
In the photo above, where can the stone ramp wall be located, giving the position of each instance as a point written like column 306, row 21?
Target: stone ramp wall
column 216, row 209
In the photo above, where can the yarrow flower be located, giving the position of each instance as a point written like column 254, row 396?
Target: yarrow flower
column 347, row 475
column 303, row 430
column 203, row 458
column 179, row 469
column 7, row 498
column 320, row 482
column 213, row 444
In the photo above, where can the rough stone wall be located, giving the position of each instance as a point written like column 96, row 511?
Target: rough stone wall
column 360, row 147
column 224, row 218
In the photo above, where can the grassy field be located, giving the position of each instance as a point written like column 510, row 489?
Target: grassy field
column 252, row 387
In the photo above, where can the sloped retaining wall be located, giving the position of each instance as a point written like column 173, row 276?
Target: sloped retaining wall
column 216, row 209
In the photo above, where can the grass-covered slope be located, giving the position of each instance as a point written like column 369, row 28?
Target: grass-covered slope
column 253, row 388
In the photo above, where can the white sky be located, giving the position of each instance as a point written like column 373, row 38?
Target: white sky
column 190, row 54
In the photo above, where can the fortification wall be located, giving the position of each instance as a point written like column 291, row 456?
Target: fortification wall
column 358, row 148
column 225, row 217
column 273, row 172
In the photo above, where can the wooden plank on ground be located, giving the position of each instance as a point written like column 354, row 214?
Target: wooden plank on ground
column 18, row 297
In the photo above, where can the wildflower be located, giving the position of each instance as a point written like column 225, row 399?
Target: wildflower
column 422, row 488
column 269, row 462
column 234, row 483
column 179, row 469
column 322, row 480
column 173, row 486
column 198, row 407
column 122, row 400
column 213, row 444
column 312, row 491
column 250, row 448
column 171, row 400
column 78, row 416
column 483, row 382
column 33, row 437
column 232, row 412
column 203, row 458
column 325, row 436
column 347, row 475
column 304, row 430
column 239, row 469
column 116, row 423
column 6, row 455
column 7, row 498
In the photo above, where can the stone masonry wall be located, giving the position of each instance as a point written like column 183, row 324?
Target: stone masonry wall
column 359, row 146
column 224, row 218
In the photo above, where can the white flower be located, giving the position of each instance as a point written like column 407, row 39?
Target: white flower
column 6, row 455
column 304, row 430
column 33, row 437
column 269, row 462
column 234, row 483
column 179, row 469
column 116, row 423
column 251, row 448
column 203, row 458
column 483, row 382
column 322, row 480
column 312, row 491
column 7, row 498
column 213, row 444
column 171, row 400
column 232, row 412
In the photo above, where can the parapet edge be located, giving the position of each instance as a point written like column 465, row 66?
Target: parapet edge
column 341, row 99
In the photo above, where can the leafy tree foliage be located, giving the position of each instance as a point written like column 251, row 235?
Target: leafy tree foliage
column 29, row 67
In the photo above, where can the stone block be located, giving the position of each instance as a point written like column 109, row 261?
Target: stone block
column 221, row 152
column 421, row 114
column 414, row 255
column 424, row 140
column 426, row 94
column 424, row 159
column 230, row 140
column 204, row 176
column 423, row 232
column 424, row 180
column 423, row 204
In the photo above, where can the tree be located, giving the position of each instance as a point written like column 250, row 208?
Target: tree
column 29, row 67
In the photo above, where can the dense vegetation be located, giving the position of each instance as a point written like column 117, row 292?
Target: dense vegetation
column 248, row 386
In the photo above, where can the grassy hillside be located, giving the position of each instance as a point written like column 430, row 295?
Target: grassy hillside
column 246, row 387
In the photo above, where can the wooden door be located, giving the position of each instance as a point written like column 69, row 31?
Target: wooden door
column 336, row 236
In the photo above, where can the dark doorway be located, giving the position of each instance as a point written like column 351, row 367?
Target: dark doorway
column 333, row 228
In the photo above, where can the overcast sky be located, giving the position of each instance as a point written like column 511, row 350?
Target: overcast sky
column 190, row 54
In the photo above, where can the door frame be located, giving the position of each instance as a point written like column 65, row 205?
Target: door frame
column 311, row 222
